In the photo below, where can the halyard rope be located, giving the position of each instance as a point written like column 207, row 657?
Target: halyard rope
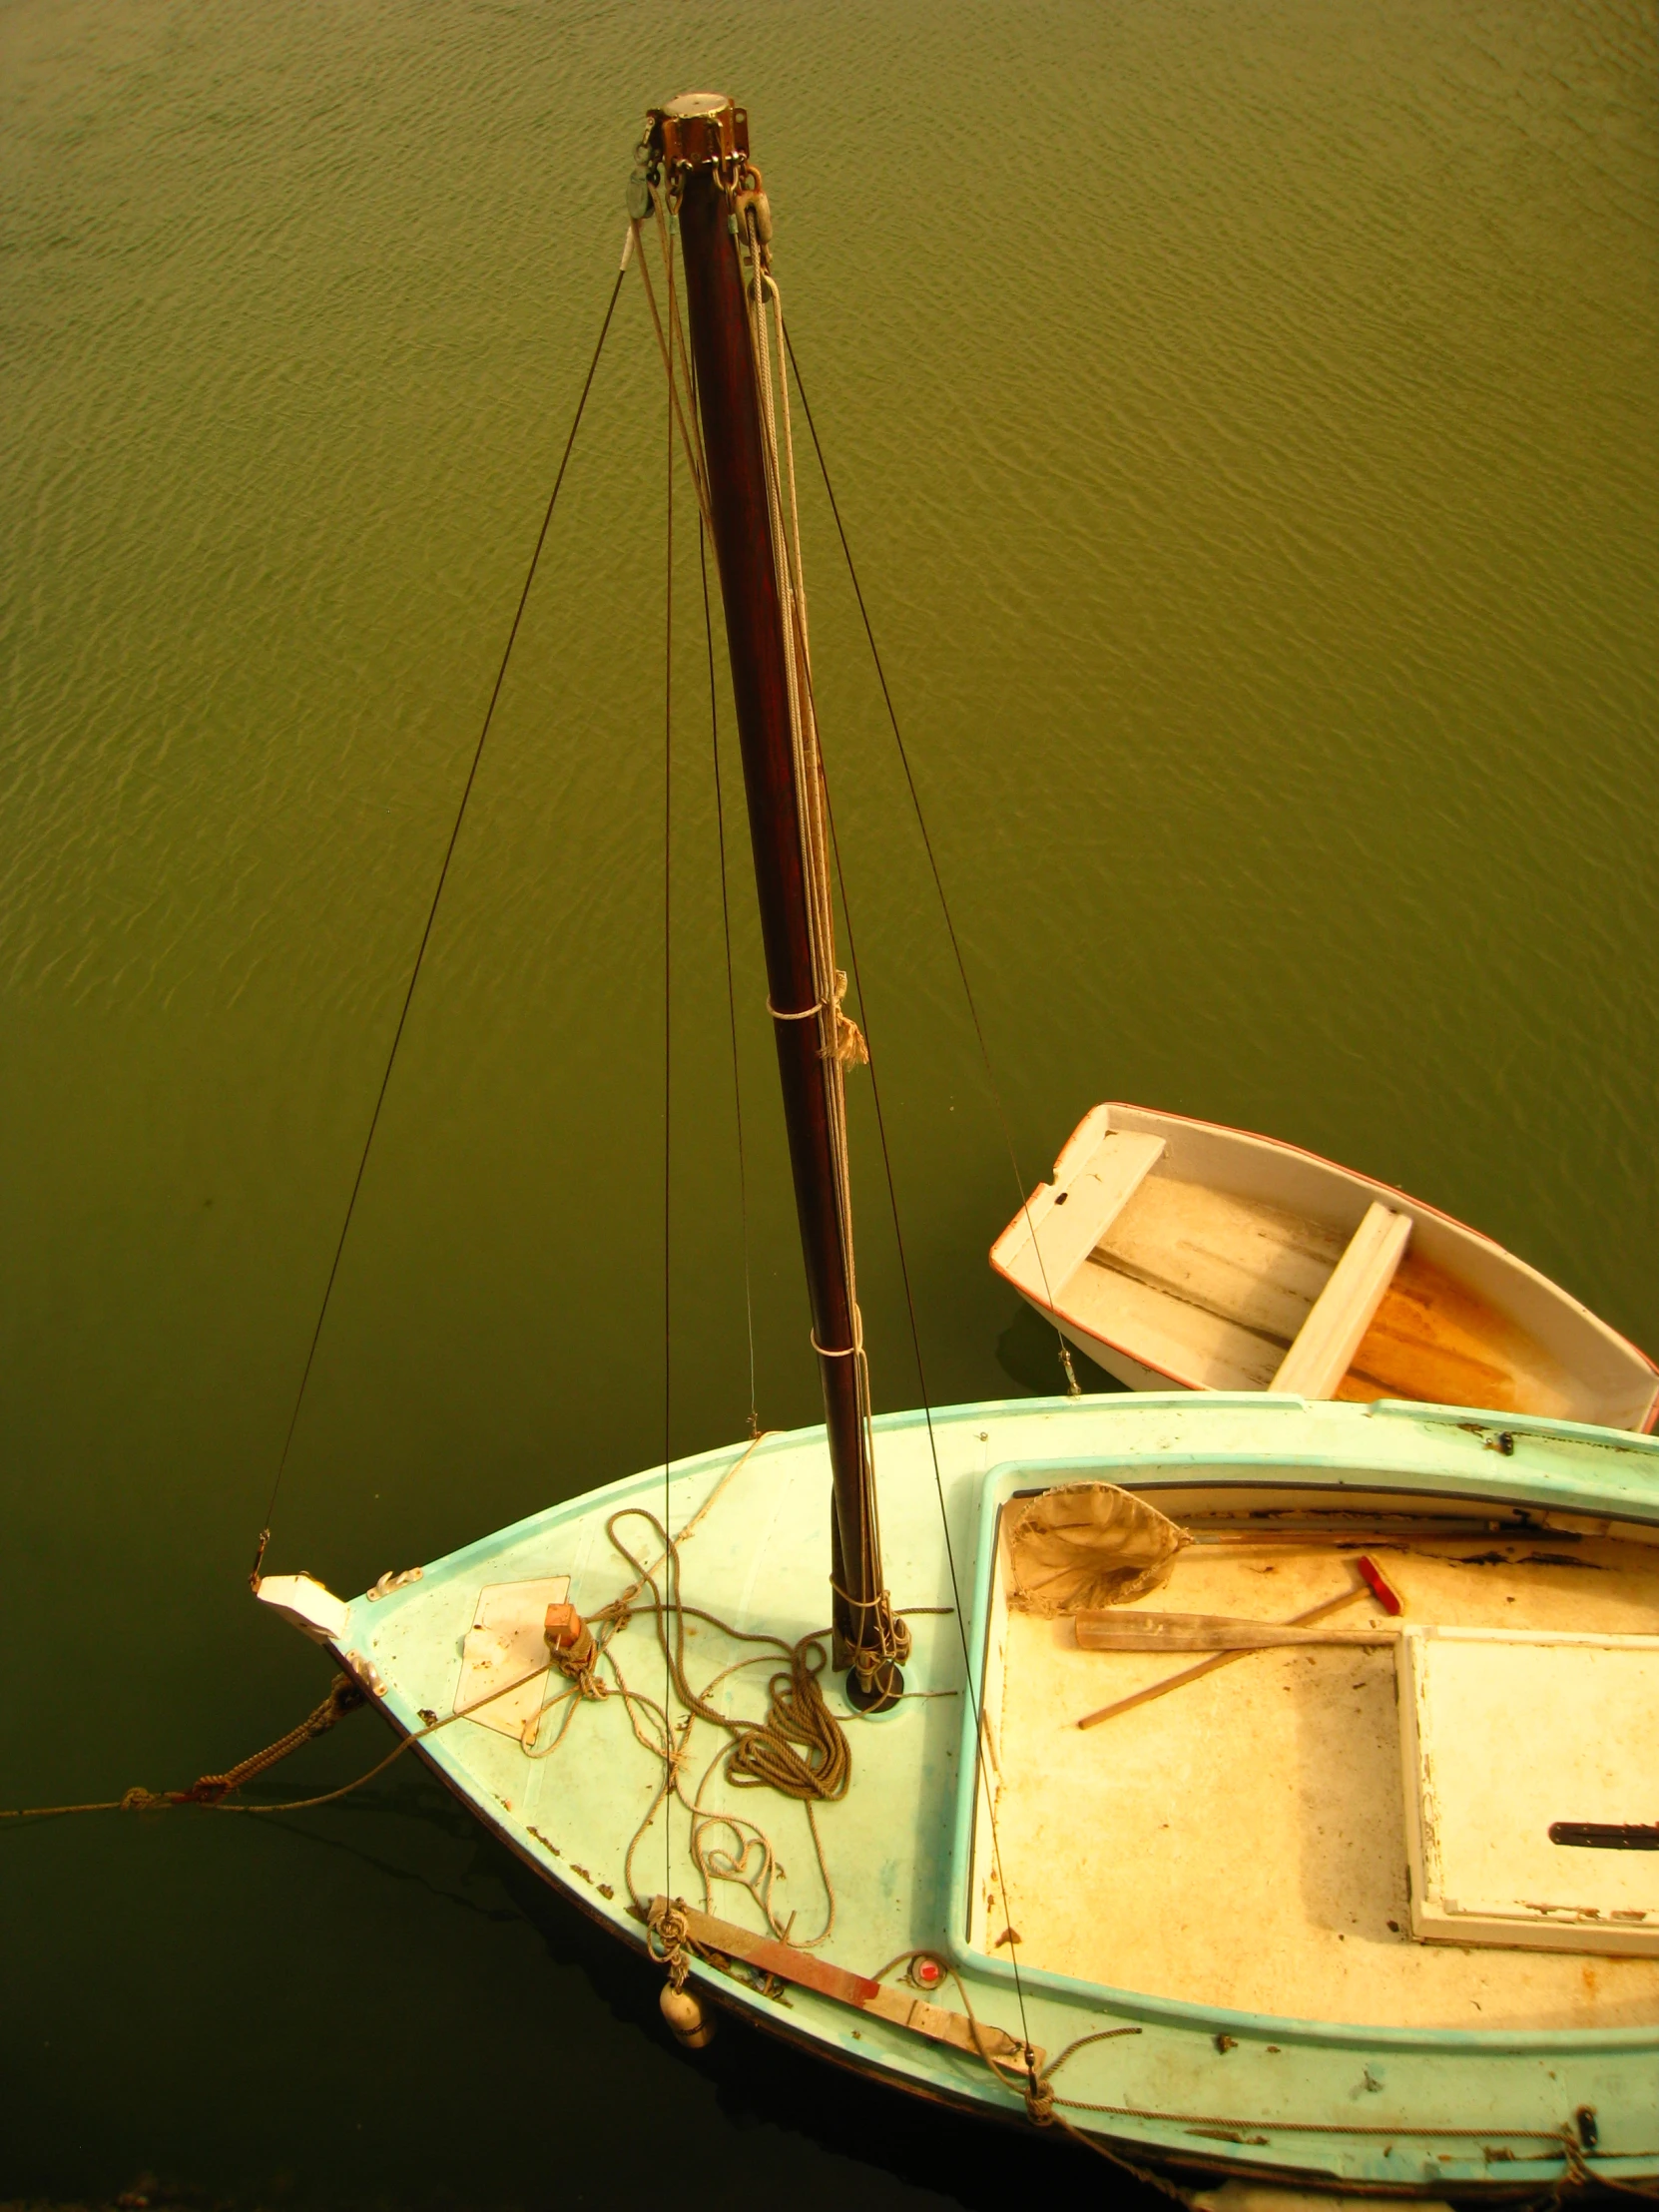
column 668, row 982
column 785, row 351
column 880, row 1637
column 731, row 984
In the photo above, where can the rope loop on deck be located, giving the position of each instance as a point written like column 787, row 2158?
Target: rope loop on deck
column 767, row 1757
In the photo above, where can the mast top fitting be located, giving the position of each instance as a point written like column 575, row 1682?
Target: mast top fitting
column 698, row 130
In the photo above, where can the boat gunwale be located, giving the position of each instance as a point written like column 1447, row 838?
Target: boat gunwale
column 1052, row 1307
column 998, row 1488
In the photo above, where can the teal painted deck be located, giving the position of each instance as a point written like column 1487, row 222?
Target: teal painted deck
column 1338, row 2105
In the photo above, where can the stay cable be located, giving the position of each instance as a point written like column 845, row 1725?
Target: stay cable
column 932, row 862
column 433, row 913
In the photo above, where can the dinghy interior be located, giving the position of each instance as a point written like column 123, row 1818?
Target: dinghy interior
column 1178, row 1250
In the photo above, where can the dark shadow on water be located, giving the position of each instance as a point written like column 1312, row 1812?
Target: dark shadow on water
column 1028, row 1352
column 758, row 2081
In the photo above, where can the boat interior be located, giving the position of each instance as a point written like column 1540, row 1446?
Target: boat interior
column 1346, row 1832
column 1226, row 1262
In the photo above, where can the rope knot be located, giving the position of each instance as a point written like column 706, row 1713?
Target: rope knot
column 850, row 1048
column 883, row 1636
column 667, row 1934
column 345, row 1694
column 574, row 1651
column 1039, row 2095
column 1578, row 2176
column 137, row 1800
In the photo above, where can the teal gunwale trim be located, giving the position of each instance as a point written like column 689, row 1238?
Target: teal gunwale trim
column 1501, row 1479
column 1135, row 1407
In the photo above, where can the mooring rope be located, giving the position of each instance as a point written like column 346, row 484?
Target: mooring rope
column 210, row 1792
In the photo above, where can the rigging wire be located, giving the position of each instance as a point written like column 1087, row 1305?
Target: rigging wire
column 926, row 1396
column 432, row 910
column 668, row 1096
column 691, row 438
column 880, row 1637
column 834, row 844
column 932, row 863
column 731, row 986
column 702, row 531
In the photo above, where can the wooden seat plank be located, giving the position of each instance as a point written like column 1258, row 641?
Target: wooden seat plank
column 1338, row 1317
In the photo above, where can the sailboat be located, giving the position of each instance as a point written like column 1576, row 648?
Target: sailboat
column 1176, row 1251
column 886, row 1735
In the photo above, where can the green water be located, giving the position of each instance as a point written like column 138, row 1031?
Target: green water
column 1245, row 417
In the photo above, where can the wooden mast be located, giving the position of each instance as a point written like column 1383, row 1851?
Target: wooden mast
column 697, row 149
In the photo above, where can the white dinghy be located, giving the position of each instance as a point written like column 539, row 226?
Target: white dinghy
column 1175, row 1251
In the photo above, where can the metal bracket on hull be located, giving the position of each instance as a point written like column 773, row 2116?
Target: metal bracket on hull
column 935, row 2022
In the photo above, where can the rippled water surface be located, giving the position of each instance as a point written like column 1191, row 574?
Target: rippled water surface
column 1245, row 415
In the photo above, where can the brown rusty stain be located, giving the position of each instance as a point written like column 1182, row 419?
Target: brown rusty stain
column 1432, row 1338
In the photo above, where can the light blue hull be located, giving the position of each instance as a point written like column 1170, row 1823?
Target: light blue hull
column 1426, row 2110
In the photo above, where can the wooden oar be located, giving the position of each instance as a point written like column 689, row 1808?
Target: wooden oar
column 1221, row 1659
column 1206, row 1632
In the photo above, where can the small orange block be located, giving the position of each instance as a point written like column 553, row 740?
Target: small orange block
column 568, row 1637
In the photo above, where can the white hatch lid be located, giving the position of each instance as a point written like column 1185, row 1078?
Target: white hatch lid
column 1507, row 1735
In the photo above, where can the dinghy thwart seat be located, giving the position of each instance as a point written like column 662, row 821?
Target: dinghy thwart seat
column 1338, row 1317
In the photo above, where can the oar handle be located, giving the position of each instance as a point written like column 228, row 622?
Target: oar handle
column 1138, row 1631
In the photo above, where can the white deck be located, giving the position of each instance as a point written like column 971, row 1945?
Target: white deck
column 1242, row 1842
